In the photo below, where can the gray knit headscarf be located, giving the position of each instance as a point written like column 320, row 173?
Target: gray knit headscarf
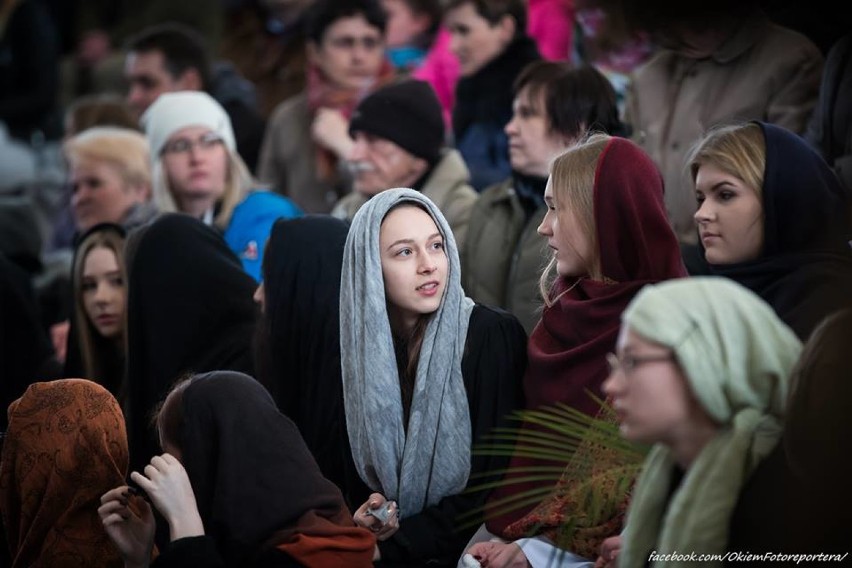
column 431, row 460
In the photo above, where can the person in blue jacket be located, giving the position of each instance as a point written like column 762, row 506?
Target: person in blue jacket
column 196, row 170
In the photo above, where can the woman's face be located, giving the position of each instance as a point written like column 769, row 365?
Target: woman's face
column 100, row 194
column 104, row 294
column 196, row 164
column 414, row 265
column 729, row 217
column 532, row 146
column 404, row 24
column 648, row 390
column 473, row 40
column 350, row 53
column 572, row 247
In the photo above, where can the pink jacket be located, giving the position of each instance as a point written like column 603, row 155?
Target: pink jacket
column 549, row 22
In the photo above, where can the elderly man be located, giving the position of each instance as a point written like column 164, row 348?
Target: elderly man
column 398, row 135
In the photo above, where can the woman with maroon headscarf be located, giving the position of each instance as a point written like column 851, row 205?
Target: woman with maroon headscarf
column 607, row 226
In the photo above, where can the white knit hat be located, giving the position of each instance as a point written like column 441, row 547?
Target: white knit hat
column 174, row 111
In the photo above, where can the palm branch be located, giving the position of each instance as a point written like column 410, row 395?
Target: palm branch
column 588, row 462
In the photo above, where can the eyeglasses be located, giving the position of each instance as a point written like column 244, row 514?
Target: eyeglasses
column 628, row 363
column 369, row 43
column 184, row 145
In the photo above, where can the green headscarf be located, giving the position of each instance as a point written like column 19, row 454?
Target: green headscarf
column 737, row 357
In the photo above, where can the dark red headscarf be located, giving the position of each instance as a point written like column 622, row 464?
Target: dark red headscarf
column 567, row 349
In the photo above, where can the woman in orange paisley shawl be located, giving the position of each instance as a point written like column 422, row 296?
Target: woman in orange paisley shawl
column 66, row 445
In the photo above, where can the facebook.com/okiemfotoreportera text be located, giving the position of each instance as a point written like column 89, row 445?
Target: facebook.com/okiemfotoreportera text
column 735, row 556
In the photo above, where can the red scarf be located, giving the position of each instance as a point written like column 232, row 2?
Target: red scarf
column 567, row 349
column 322, row 93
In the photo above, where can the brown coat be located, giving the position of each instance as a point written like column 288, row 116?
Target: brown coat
column 448, row 186
column 288, row 159
column 763, row 72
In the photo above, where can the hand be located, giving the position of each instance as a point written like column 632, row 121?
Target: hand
column 382, row 531
column 609, row 552
column 497, row 554
column 133, row 534
column 330, row 130
column 59, row 339
column 166, row 483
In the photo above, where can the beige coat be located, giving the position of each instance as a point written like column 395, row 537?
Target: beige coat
column 288, row 159
column 763, row 72
column 504, row 255
column 448, row 186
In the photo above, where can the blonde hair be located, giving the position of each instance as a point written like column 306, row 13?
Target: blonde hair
column 91, row 343
column 738, row 150
column 127, row 150
column 572, row 179
column 238, row 181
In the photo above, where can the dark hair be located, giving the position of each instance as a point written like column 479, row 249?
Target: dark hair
column 495, row 10
column 659, row 17
column 182, row 47
column 324, row 13
column 429, row 8
column 100, row 110
column 576, row 99
column 171, row 415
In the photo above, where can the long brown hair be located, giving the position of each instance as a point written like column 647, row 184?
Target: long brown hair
column 96, row 351
column 408, row 348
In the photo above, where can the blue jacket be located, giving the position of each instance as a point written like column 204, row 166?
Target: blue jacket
column 251, row 223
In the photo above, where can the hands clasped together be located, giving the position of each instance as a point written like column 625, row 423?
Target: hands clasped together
column 130, row 522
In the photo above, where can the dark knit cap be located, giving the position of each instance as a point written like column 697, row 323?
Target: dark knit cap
column 408, row 114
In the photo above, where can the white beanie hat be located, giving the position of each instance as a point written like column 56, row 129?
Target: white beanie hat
column 174, row 111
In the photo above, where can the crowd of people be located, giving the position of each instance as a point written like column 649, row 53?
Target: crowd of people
column 321, row 276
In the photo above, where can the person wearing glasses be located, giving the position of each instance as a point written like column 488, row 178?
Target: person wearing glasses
column 307, row 138
column 702, row 372
column 196, row 170
column 607, row 227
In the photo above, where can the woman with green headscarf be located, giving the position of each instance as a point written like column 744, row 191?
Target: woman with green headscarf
column 702, row 371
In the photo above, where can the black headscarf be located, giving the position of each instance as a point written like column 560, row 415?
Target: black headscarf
column 299, row 355
column 805, row 269
column 255, row 482
column 26, row 355
column 190, row 309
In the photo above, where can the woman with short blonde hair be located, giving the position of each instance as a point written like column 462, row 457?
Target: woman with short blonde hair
column 110, row 177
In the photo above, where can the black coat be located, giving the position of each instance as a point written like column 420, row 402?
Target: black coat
column 189, row 309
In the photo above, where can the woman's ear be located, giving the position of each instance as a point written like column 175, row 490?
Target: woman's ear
column 508, row 27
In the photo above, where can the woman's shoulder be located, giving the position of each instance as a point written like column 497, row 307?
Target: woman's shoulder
column 488, row 321
column 263, row 202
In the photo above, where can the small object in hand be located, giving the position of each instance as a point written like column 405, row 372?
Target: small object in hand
column 382, row 512
column 468, row 561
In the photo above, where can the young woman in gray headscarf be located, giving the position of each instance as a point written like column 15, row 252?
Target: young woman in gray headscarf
column 426, row 374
